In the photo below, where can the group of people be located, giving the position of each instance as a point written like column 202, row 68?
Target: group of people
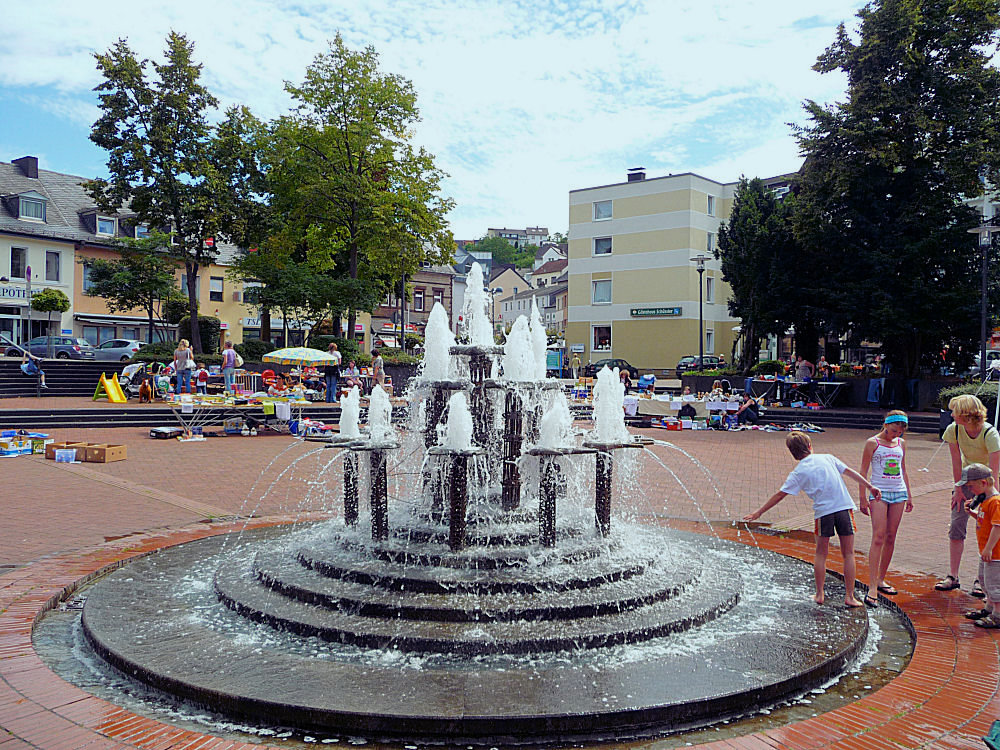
column 886, row 496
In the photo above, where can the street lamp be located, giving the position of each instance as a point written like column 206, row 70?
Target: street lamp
column 493, row 307
column 985, row 232
column 701, row 259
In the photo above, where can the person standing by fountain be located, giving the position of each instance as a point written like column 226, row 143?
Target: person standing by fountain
column 378, row 369
column 885, row 455
column 331, row 373
column 983, row 504
column 819, row 475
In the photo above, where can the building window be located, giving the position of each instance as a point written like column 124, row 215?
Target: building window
column 710, row 289
column 439, row 296
column 87, row 283
column 709, row 340
column 215, row 291
column 51, row 265
column 18, row 262
column 184, row 285
column 141, row 231
column 602, row 338
column 711, row 205
column 97, row 335
column 709, row 242
column 131, row 333
column 418, row 300
column 602, row 246
column 32, row 208
column 602, row 292
column 602, row 210
column 106, row 225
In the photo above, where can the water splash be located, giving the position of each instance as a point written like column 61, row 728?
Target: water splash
column 437, row 363
column 477, row 322
column 609, row 414
column 458, row 433
column 556, row 428
column 350, row 414
column 518, row 355
column 380, row 416
column 539, row 341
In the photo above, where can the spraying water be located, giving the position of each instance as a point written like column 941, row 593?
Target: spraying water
column 350, row 414
column 458, row 433
column 518, row 354
column 439, row 339
column 380, row 416
column 556, row 428
column 609, row 417
column 477, row 321
column 539, row 341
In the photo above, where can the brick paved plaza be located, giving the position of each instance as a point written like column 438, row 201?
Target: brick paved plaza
column 63, row 521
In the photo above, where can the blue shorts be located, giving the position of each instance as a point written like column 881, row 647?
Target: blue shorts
column 893, row 497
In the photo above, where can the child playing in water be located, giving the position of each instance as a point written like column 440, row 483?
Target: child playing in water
column 819, row 476
column 885, row 455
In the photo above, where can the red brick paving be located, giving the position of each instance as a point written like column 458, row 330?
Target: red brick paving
column 61, row 524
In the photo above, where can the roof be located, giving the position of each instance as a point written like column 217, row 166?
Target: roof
column 560, row 247
column 552, row 266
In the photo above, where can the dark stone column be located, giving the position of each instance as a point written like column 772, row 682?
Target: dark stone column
column 458, row 501
column 602, row 495
column 547, row 501
column 351, row 488
column 510, row 484
column 379, row 496
column 434, row 408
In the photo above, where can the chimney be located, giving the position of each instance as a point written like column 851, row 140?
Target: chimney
column 28, row 166
column 635, row 174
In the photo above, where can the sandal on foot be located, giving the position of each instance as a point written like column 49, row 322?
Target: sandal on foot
column 990, row 622
column 977, row 590
column 888, row 589
column 871, row 601
column 948, row 583
column 976, row 614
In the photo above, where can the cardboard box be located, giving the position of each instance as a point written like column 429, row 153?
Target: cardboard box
column 38, row 445
column 102, row 454
column 51, row 448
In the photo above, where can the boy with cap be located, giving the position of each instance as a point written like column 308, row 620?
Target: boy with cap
column 820, row 476
column 982, row 501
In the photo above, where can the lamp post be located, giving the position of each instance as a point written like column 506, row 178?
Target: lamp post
column 985, row 232
column 701, row 259
column 493, row 307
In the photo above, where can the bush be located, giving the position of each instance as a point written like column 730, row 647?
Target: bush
column 347, row 347
column 209, row 327
column 768, row 367
column 723, row 372
column 396, row 357
column 252, row 350
column 158, row 349
column 174, row 309
column 987, row 393
column 157, row 355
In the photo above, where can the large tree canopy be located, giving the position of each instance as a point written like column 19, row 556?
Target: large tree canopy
column 882, row 217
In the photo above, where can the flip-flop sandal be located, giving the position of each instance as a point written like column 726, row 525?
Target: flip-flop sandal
column 871, row 601
column 976, row 614
column 990, row 623
column 887, row 589
column 948, row 583
column 977, row 590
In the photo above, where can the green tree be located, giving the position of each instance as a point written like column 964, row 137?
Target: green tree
column 358, row 195
column 167, row 163
column 142, row 278
column 49, row 301
column 758, row 252
column 502, row 251
column 882, row 219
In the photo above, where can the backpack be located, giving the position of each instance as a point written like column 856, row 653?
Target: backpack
column 239, row 359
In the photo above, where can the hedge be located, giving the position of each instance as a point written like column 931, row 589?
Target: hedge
column 987, row 393
column 768, row 367
column 252, row 350
column 210, row 329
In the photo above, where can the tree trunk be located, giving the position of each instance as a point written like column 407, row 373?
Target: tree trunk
column 149, row 333
column 192, row 284
column 336, row 327
column 265, row 324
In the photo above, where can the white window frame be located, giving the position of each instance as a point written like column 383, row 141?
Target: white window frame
column 709, row 340
column 114, row 225
column 87, row 283
column 593, row 337
column 418, row 300
column 593, row 249
column 598, row 208
column 710, row 208
column 709, row 290
column 141, row 231
column 710, row 242
column 58, row 256
column 22, row 202
column 26, row 263
column 221, row 291
column 439, row 296
column 593, row 291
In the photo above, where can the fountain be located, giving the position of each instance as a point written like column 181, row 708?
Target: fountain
column 489, row 602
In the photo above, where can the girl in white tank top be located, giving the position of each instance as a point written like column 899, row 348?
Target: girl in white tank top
column 885, row 456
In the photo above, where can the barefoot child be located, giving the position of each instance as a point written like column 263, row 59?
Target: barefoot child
column 819, row 476
column 982, row 502
column 885, row 455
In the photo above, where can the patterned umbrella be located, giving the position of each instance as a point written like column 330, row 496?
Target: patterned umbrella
column 299, row 355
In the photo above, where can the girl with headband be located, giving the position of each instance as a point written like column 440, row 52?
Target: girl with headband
column 885, row 456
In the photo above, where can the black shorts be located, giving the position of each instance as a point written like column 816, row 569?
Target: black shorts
column 842, row 522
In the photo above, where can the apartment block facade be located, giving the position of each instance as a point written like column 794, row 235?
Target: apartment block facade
column 633, row 288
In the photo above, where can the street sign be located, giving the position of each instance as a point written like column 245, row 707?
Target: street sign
column 655, row 312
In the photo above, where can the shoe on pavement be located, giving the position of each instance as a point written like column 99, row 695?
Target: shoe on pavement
column 948, row 583
column 977, row 590
column 44, row 386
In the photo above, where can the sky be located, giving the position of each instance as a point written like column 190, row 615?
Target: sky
column 521, row 101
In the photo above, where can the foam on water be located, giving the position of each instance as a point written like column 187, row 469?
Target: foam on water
column 609, row 416
column 350, row 414
column 556, row 428
column 518, row 353
column 380, row 416
column 458, row 433
column 437, row 362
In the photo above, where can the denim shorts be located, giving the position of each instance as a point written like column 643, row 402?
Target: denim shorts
column 893, row 497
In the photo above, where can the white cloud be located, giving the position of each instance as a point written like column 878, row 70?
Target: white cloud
column 521, row 100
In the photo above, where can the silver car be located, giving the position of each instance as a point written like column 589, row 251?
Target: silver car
column 118, row 350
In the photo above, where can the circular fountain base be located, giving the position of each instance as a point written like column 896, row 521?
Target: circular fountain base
column 516, row 649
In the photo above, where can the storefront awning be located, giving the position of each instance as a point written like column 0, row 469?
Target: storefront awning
column 388, row 341
column 111, row 319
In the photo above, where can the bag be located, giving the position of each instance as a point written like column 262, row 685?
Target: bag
column 239, row 359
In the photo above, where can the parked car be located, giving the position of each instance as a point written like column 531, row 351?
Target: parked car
column 591, row 369
column 992, row 363
column 690, row 362
column 64, row 347
column 118, row 350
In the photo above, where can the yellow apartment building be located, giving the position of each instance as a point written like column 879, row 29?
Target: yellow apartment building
column 633, row 287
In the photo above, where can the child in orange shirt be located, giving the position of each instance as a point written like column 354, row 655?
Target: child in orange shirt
column 983, row 504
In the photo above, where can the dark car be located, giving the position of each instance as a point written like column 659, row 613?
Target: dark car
column 690, row 362
column 591, row 369
column 63, row 347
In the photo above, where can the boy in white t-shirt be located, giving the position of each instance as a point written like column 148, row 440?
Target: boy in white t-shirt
column 820, row 477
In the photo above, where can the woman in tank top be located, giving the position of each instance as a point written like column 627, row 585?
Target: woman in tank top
column 885, row 456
